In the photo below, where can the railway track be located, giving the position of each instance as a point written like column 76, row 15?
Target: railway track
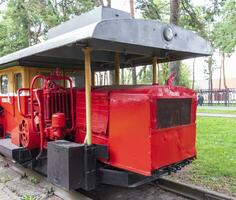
column 161, row 189
column 190, row 191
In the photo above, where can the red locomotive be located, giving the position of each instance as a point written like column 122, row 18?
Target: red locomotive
column 81, row 136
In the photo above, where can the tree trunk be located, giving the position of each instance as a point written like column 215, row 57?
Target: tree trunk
column 174, row 19
column 174, row 11
column 220, row 73
column 193, row 83
column 210, row 86
column 99, row 3
column 223, row 67
column 134, row 76
column 106, row 78
column 112, row 77
column 145, row 72
column 109, row 3
column 123, row 76
column 158, row 71
column 100, row 78
column 132, row 12
column 112, row 72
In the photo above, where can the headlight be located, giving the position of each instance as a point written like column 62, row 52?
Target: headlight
column 168, row 34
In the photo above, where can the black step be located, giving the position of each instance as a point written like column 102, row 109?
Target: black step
column 14, row 152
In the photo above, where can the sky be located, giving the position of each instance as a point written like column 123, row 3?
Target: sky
column 230, row 62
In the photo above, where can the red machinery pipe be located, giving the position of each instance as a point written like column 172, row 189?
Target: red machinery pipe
column 41, row 126
column 32, row 97
column 72, row 105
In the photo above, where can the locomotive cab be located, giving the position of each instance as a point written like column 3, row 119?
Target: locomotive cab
column 81, row 135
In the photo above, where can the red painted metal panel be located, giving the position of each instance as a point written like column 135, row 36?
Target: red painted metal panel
column 129, row 132
column 11, row 116
column 100, row 111
column 96, row 138
column 172, row 145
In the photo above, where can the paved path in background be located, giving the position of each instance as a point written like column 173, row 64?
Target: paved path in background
column 217, row 107
column 216, row 115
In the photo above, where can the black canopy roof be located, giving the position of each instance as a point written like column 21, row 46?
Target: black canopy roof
column 107, row 31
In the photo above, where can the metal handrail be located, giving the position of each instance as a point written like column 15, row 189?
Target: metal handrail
column 19, row 101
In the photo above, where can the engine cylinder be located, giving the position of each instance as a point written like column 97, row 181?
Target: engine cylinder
column 58, row 120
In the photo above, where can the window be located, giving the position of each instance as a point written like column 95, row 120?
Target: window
column 46, row 74
column 18, row 81
column 77, row 78
column 173, row 112
column 4, row 84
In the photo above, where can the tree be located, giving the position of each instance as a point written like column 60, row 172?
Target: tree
column 224, row 31
column 23, row 24
column 200, row 19
column 193, row 71
column 15, row 31
column 68, row 9
column 184, row 76
column 225, row 35
column 145, row 75
column 154, row 9
column 209, row 69
column 26, row 22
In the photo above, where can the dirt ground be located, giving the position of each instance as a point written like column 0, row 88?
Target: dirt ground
column 14, row 186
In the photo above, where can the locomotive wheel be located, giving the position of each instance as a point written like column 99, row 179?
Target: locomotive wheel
column 24, row 134
column 28, row 138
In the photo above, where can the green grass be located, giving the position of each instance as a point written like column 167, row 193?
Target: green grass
column 28, row 197
column 215, row 166
column 204, row 110
column 34, row 179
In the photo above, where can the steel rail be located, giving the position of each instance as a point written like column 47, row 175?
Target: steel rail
column 63, row 194
column 190, row 191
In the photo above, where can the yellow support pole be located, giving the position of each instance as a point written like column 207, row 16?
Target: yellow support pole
column 87, row 60
column 154, row 70
column 117, row 68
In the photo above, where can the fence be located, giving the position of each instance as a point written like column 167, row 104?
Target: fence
column 224, row 97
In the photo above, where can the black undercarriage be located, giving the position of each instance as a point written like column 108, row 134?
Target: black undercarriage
column 58, row 163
